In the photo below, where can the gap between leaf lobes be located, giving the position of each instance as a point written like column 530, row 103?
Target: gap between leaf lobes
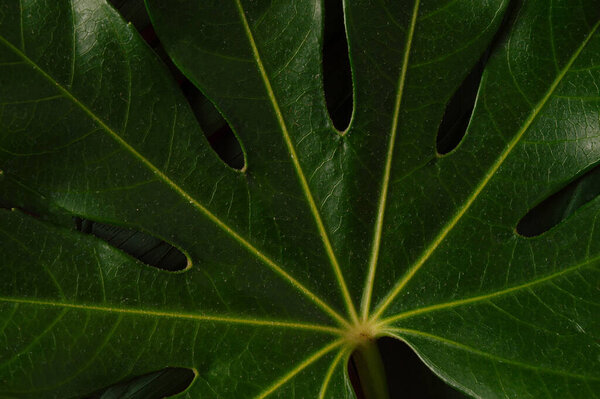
column 355, row 333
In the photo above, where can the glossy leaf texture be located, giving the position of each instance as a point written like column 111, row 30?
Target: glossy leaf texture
column 324, row 238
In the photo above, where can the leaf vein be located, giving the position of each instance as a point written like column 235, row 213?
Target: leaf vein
column 175, row 315
column 296, row 163
column 310, row 360
column 212, row 217
column 489, row 296
column 368, row 290
column 482, row 184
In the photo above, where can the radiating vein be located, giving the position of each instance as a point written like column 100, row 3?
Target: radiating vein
column 330, row 372
column 482, row 184
column 175, row 315
column 298, row 168
column 310, row 360
column 492, row 295
column 191, row 200
column 492, row 356
column 368, row 290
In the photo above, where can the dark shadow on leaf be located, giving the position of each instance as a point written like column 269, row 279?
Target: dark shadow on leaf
column 407, row 376
column 148, row 249
column 218, row 132
column 560, row 205
column 133, row 11
column 14, row 194
column 459, row 109
column 337, row 78
column 157, row 385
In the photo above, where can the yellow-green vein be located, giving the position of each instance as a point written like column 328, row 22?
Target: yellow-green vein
column 213, row 218
column 330, row 371
column 487, row 297
column 176, row 315
column 307, row 362
column 368, row 290
column 298, row 168
column 482, row 184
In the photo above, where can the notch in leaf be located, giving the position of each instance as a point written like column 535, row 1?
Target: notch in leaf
column 337, row 78
column 218, row 132
column 459, row 109
column 157, row 385
column 148, row 249
column 560, row 205
column 216, row 129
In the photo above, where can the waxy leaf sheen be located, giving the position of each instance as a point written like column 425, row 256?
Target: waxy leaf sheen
column 324, row 239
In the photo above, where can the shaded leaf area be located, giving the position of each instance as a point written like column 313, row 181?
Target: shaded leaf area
column 155, row 385
column 458, row 111
column 217, row 130
column 460, row 106
column 560, row 205
column 144, row 247
column 14, row 194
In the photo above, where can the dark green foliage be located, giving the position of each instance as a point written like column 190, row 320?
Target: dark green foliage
column 323, row 239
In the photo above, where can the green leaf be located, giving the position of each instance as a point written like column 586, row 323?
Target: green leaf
column 160, row 384
column 324, row 239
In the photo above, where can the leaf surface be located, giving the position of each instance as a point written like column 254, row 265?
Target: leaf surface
column 324, row 238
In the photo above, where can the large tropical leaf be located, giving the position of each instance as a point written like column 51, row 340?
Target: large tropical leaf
column 325, row 239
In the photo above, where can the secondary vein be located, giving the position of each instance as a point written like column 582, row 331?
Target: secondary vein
column 298, row 168
column 368, row 290
column 482, row 184
column 487, row 297
column 175, row 315
column 220, row 224
column 330, row 372
column 310, row 360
